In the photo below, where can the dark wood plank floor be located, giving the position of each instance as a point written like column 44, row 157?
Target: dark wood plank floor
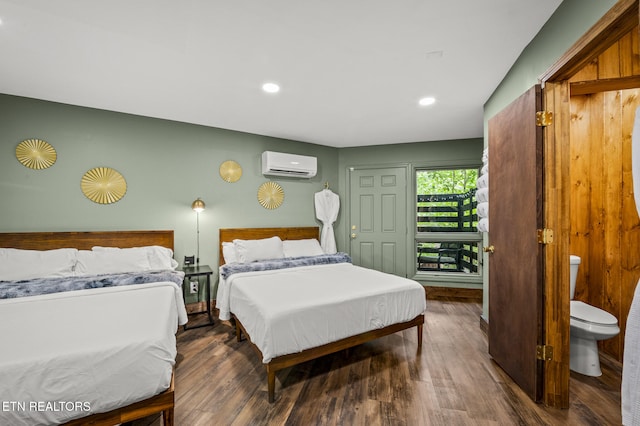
column 453, row 381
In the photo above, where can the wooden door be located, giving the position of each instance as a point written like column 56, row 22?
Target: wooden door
column 516, row 264
column 378, row 224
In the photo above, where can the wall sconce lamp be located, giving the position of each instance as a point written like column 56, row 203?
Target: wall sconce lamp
column 198, row 206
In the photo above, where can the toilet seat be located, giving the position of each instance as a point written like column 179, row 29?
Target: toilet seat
column 583, row 312
column 589, row 322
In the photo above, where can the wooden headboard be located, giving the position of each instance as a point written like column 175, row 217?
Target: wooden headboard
column 85, row 240
column 296, row 233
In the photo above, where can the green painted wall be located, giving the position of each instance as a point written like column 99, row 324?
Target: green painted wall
column 432, row 153
column 167, row 165
column 570, row 21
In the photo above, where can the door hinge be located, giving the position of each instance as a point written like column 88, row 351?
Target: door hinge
column 545, row 236
column 544, row 352
column 544, row 118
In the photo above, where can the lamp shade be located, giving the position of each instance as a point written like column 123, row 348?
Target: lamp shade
column 198, row 205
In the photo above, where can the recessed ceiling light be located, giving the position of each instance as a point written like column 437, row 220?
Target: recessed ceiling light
column 429, row 100
column 271, row 87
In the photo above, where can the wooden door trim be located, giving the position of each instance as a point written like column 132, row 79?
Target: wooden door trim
column 556, row 272
column 618, row 21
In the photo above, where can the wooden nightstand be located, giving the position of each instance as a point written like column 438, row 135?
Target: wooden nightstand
column 199, row 271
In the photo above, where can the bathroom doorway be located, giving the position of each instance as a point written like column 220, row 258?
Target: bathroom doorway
column 603, row 64
column 605, row 228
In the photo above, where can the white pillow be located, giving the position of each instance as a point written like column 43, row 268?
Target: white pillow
column 229, row 253
column 248, row 251
column 16, row 264
column 111, row 262
column 160, row 258
column 296, row 248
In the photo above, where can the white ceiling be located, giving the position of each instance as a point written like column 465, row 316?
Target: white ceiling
column 351, row 71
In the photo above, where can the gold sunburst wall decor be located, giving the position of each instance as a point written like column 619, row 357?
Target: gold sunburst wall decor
column 230, row 171
column 103, row 185
column 36, row 154
column 270, row 195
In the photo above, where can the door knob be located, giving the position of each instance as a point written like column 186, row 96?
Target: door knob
column 489, row 249
column 353, row 236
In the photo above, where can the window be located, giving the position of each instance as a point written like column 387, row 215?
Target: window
column 447, row 240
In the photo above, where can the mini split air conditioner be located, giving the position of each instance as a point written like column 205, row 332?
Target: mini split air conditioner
column 281, row 164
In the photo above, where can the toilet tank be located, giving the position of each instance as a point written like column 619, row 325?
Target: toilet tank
column 575, row 264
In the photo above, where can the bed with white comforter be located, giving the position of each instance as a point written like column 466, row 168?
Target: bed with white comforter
column 88, row 332
column 67, row 355
column 296, row 303
column 289, row 310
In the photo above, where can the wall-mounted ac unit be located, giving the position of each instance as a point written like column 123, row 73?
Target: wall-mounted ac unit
column 281, row 164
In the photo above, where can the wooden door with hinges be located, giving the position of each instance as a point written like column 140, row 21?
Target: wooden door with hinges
column 516, row 263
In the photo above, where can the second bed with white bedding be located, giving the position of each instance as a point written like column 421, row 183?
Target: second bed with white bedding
column 289, row 310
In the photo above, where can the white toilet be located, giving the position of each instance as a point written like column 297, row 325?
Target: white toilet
column 588, row 325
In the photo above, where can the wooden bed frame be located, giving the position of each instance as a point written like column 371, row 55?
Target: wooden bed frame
column 164, row 402
column 85, row 240
column 284, row 361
